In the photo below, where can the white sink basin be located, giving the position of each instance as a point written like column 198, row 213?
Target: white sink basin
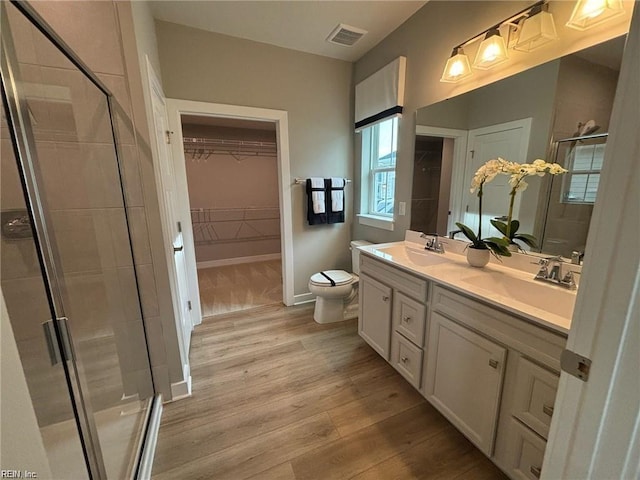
column 549, row 298
column 420, row 258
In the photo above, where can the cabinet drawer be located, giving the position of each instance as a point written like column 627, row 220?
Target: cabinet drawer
column 526, row 452
column 534, row 396
column 409, row 318
column 407, row 359
column 408, row 284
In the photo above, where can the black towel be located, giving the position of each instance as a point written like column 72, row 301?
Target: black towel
column 316, row 218
column 333, row 217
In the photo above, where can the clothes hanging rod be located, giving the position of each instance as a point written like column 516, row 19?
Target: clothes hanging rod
column 219, row 142
column 302, row 181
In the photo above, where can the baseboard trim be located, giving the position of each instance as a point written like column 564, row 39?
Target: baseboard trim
column 182, row 389
column 304, row 298
column 238, row 260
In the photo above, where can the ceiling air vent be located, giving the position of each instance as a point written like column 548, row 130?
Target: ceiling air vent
column 345, row 35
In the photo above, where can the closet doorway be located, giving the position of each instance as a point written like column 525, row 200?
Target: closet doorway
column 232, row 178
column 221, row 115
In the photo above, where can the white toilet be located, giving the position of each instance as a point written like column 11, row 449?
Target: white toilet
column 336, row 290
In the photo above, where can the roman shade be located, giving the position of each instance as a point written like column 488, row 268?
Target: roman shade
column 381, row 95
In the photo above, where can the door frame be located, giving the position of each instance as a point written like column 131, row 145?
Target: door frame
column 183, row 387
column 175, row 109
column 457, row 170
column 595, row 430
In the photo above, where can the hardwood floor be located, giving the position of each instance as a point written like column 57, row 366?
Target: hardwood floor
column 232, row 288
column 278, row 396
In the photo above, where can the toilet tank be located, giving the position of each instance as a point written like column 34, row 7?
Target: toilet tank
column 355, row 254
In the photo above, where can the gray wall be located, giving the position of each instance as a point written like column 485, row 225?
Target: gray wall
column 426, row 39
column 315, row 91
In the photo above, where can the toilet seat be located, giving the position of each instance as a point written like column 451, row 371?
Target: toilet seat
column 340, row 277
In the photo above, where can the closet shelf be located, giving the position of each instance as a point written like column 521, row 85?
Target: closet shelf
column 227, row 225
column 199, row 147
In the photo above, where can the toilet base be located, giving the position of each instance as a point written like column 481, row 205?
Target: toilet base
column 330, row 310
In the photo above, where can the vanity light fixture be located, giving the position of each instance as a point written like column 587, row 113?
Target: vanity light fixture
column 535, row 26
column 589, row 13
column 457, row 67
column 536, row 30
column 492, row 50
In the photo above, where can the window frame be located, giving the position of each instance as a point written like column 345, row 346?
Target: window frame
column 572, row 172
column 369, row 158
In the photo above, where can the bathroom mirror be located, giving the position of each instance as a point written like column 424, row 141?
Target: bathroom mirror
column 520, row 118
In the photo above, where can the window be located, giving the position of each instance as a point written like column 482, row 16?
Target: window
column 379, row 147
column 581, row 182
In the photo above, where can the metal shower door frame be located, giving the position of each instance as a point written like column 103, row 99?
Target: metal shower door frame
column 28, row 167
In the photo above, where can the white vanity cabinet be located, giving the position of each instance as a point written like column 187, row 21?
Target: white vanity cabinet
column 517, row 397
column 491, row 373
column 393, row 305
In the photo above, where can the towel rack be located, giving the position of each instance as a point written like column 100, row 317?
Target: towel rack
column 302, row 181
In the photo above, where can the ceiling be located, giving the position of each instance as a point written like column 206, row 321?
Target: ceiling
column 296, row 24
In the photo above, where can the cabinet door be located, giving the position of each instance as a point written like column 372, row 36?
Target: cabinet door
column 374, row 322
column 464, row 379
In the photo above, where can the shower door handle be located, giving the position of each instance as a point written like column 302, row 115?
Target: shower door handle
column 178, row 249
column 55, row 355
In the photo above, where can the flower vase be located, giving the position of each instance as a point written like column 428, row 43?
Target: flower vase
column 478, row 257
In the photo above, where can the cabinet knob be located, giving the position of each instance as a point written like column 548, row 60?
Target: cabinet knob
column 406, row 319
column 535, row 471
column 493, row 363
column 547, row 410
column 385, row 298
column 404, row 359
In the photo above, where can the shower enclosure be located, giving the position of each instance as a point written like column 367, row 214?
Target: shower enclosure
column 67, row 272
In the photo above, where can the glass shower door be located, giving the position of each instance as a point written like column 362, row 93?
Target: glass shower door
column 63, row 130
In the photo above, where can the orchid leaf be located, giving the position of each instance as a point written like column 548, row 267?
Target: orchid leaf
column 498, row 246
column 515, row 225
column 500, row 226
column 467, row 232
column 527, row 239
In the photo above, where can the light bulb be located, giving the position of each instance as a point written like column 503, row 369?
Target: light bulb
column 593, row 8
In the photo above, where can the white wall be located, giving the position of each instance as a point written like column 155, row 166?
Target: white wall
column 21, row 446
column 316, row 93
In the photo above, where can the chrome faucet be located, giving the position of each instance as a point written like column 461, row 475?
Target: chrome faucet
column 433, row 244
column 576, row 257
column 453, row 233
column 551, row 272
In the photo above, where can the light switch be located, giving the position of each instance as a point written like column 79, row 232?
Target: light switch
column 402, row 208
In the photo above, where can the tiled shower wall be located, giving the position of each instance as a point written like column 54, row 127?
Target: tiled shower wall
column 101, row 34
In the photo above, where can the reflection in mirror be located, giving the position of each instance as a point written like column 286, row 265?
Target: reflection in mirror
column 534, row 114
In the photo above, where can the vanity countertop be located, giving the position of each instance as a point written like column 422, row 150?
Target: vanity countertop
column 506, row 288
